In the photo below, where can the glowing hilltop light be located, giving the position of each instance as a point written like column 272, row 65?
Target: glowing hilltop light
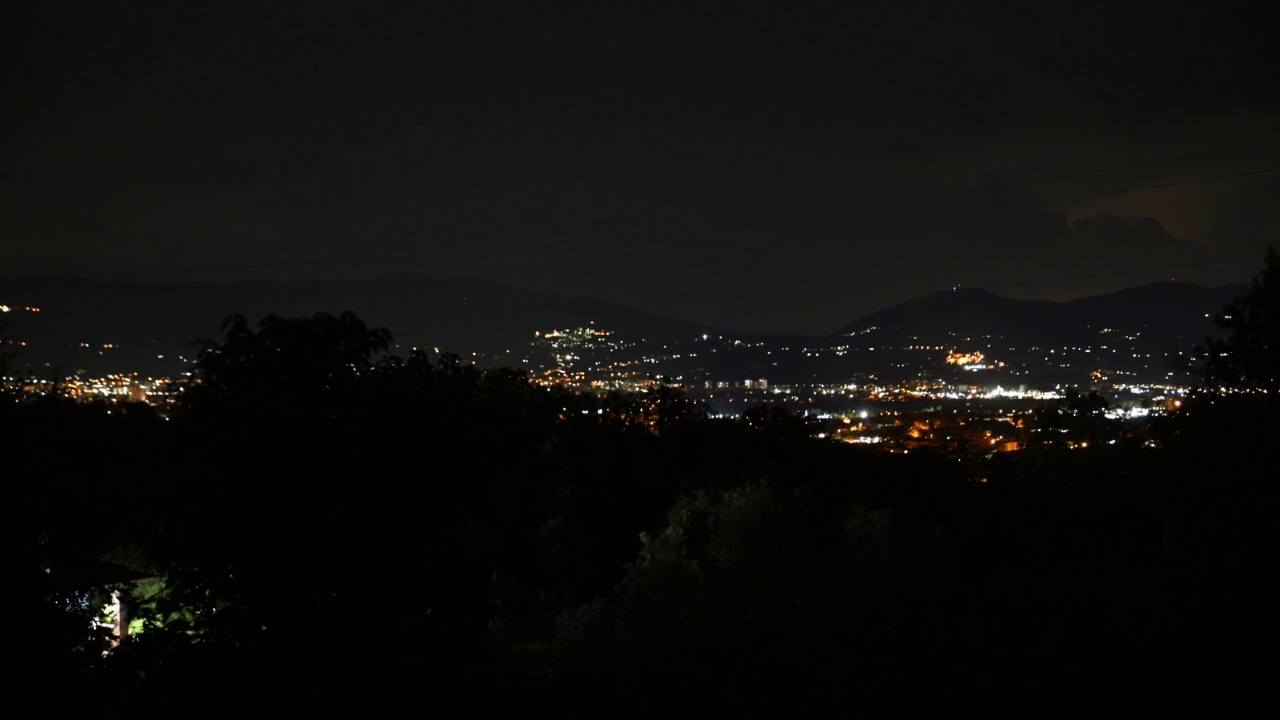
column 958, row 358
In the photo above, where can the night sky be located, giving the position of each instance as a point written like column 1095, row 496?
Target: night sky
column 773, row 168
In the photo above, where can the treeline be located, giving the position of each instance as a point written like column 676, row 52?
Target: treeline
column 318, row 518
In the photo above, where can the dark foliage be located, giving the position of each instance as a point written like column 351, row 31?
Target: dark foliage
column 324, row 520
column 1248, row 358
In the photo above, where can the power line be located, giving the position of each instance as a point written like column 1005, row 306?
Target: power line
column 1161, row 185
column 1090, row 276
column 847, row 226
column 241, row 267
column 1118, row 168
column 840, row 226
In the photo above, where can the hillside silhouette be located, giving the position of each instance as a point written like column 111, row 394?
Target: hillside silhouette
column 321, row 518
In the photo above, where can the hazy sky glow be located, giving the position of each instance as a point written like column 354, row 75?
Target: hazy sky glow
column 774, row 170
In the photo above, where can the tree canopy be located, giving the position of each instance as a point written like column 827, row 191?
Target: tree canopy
column 7, row 352
column 323, row 517
column 1248, row 358
column 294, row 360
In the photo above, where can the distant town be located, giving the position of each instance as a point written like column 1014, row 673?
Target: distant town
column 965, row 372
column 975, row 396
column 602, row 493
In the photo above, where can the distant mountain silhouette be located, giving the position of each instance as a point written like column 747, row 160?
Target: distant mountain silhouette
column 146, row 320
column 1162, row 313
column 155, row 327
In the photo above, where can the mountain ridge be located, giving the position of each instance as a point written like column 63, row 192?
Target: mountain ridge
column 115, row 326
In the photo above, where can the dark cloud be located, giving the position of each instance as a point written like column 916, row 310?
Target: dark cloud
column 768, row 169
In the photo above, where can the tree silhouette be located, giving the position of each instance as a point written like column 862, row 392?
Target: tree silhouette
column 7, row 351
column 297, row 362
column 1248, row 358
column 1077, row 417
